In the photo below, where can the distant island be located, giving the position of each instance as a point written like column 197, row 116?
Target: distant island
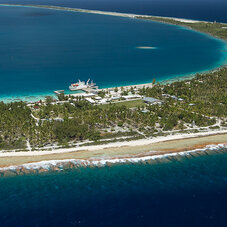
column 123, row 123
column 213, row 28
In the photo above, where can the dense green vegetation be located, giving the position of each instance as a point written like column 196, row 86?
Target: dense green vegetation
column 188, row 106
column 129, row 104
column 215, row 29
column 207, row 94
column 16, row 125
column 203, row 102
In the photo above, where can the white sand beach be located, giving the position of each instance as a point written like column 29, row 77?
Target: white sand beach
column 135, row 143
column 102, row 12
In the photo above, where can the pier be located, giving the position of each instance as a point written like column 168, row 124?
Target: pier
column 95, row 89
column 58, row 92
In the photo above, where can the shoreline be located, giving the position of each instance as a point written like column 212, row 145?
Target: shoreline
column 37, row 97
column 119, row 152
column 114, row 145
column 57, row 165
column 102, row 12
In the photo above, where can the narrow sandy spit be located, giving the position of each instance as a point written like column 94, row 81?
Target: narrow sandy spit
column 130, row 15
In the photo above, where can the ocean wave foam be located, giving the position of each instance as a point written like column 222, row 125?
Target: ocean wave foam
column 47, row 165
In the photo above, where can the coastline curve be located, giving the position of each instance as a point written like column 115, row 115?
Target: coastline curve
column 218, row 64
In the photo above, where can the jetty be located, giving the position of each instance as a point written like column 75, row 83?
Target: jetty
column 58, row 92
column 95, row 89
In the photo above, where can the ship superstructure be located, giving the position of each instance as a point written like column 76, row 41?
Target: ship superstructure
column 80, row 85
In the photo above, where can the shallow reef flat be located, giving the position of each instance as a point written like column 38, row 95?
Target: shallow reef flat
column 153, row 153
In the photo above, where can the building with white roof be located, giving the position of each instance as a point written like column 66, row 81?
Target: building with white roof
column 152, row 101
column 90, row 100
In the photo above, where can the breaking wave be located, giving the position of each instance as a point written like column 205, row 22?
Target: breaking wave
column 58, row 165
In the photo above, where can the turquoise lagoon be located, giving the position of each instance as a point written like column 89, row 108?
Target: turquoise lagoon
column 43, row 50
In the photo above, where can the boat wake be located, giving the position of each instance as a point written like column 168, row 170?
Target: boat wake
column 146, row 47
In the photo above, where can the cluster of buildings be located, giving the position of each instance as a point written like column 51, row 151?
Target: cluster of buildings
column 96, row 99
column 112, row 95
column 107, row 95
column 172, row 96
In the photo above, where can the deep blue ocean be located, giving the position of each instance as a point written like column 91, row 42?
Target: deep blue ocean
column 44, row 50
column 39, row 53
column 187, row 191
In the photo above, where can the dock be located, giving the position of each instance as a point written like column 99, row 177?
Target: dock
column 96, row 96
column 58, row 92
column 95, row 89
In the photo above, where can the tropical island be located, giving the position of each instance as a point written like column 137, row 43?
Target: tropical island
column 122, row 122
column 173, row 114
